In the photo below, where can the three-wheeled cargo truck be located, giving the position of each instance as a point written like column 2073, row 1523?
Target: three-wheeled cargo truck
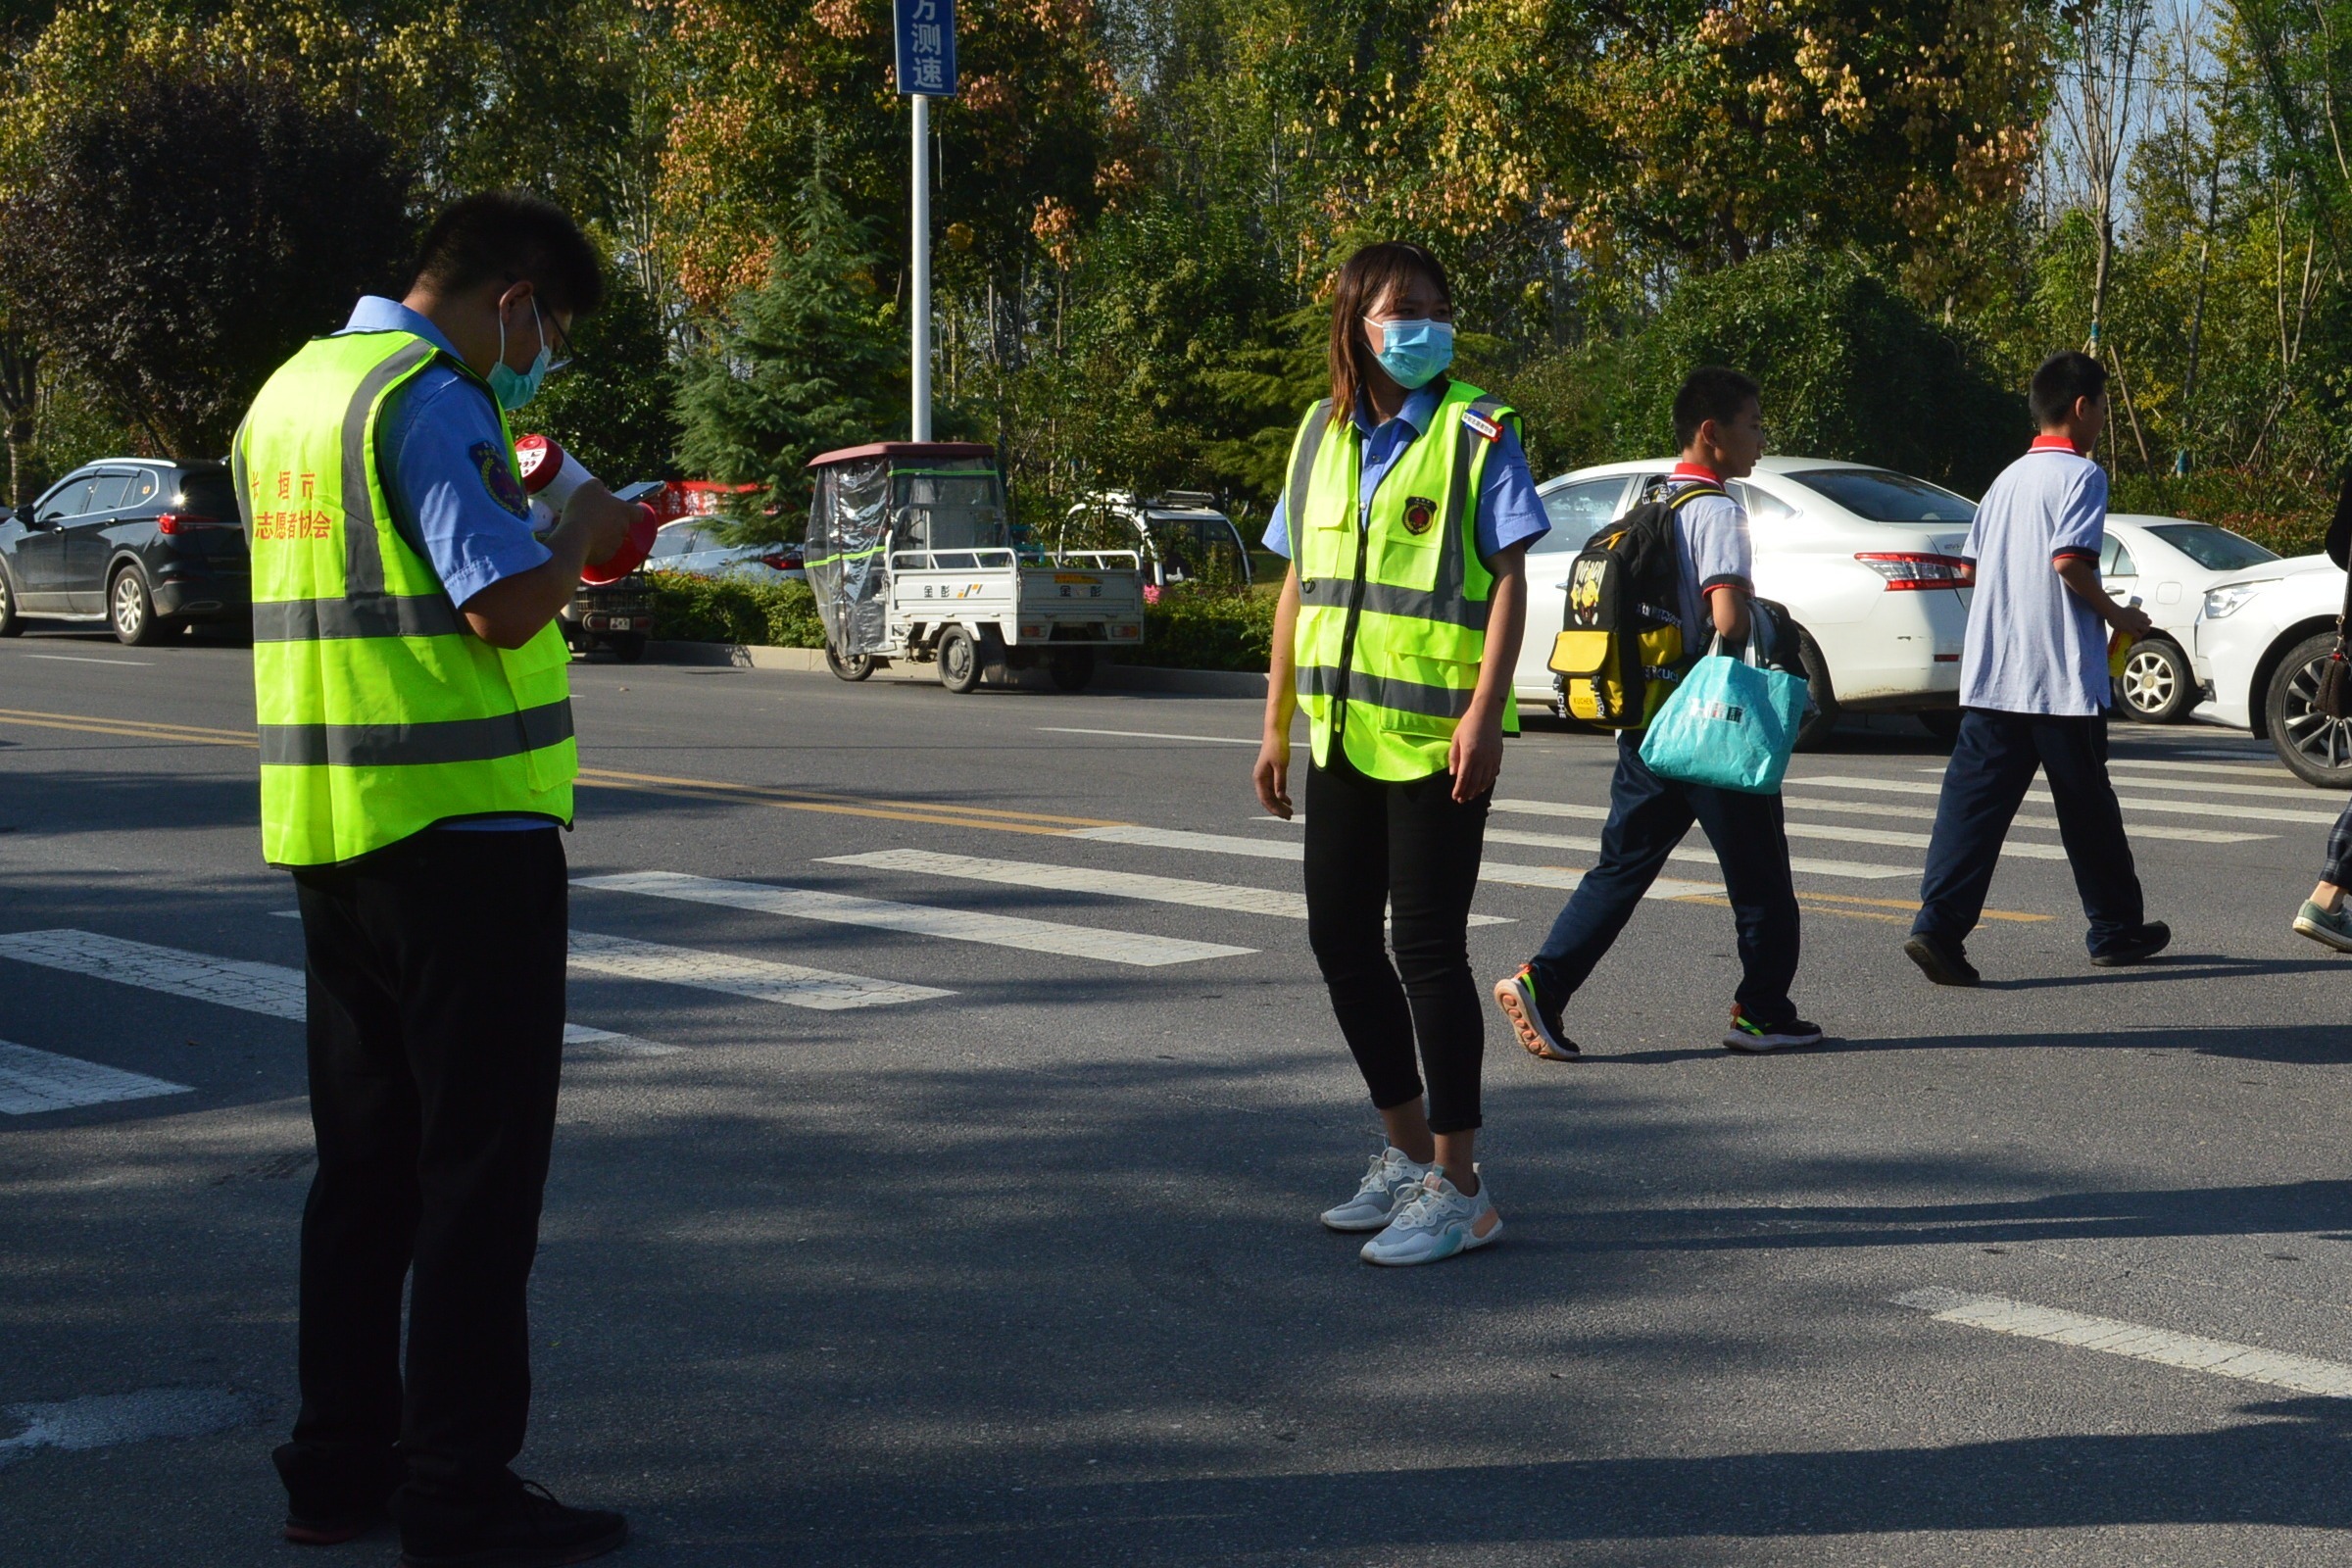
column 913, row 557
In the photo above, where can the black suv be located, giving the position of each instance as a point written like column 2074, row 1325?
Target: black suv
column 143, row 545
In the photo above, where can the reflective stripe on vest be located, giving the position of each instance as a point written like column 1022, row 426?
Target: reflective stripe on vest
column 1392, row 613
column 380, row 713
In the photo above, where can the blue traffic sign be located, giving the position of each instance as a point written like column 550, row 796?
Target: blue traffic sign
column 927, row 47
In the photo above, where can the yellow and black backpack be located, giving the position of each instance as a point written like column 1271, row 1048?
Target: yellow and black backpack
column 1621, row 647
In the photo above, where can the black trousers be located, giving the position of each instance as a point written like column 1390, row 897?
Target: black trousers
column 1993, row 761
column 1408, row 851
column 436, row 1040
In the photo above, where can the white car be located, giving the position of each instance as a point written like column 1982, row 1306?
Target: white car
column 692, row 545
column 2168, row 564
column 2260, row 640
column 1866, row 560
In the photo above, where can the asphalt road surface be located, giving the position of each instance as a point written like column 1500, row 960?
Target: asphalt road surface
column 953, row 1096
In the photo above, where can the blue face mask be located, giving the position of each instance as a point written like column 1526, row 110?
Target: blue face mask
column 511, row 387
column 1414, row 352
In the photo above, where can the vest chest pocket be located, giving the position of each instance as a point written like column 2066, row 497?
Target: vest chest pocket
column 1407, row 543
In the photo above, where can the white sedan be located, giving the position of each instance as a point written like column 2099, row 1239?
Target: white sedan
column 2260, row 639
column 1866, row 560
column 2168, row 564
column 692, row 545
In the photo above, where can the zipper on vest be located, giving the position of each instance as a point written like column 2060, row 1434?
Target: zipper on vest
column 1355, row 610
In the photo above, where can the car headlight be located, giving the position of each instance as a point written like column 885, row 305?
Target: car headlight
column 2225, row 600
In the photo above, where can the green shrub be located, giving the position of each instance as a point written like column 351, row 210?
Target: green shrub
column 1190, row 629
column 734, row 609
column 2277, row 510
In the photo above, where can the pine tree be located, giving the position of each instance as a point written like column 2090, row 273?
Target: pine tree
column 808, row 362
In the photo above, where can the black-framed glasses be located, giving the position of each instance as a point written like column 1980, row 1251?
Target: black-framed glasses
column 565, row 353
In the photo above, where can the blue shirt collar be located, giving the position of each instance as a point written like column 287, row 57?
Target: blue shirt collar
column 1420, row 407
column 377, row 314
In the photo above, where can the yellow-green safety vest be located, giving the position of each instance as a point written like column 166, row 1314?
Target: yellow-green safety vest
column 1392, row 614
column 381, row 712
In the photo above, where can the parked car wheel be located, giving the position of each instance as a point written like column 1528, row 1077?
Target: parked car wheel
column 11, row 622
column 958, row 660
column 1814, row 732
column 2316, row 749
column 1073, row 672
column 131, row 609
column 849, row 666
column 2157, row 685
column 626, row 646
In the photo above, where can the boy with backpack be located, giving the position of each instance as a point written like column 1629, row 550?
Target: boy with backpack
column 1681, row 597
column 2034, row 690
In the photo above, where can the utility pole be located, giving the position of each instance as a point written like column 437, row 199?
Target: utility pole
column 926, row 62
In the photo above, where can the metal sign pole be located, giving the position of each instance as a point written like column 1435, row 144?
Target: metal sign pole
column 920, row 293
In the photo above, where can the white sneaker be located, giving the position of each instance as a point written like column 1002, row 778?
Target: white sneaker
column 1392, row 1179
column 1438, row 1223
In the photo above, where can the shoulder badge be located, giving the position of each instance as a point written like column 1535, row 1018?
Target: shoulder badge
column 498, row 478
column 1481, row 424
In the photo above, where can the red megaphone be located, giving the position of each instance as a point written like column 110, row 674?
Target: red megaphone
column 550, row 475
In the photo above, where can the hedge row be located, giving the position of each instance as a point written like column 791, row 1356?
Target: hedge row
column 1183, row 631
column 2277, row 513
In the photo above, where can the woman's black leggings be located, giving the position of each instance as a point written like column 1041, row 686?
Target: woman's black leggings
column 1409, row 852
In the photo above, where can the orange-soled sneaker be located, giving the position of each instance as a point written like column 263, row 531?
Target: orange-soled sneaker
column 1538, row 1026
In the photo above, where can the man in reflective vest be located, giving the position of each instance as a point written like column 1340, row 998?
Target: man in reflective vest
column 417, row 759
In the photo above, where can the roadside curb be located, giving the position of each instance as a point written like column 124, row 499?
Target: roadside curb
column 1107, row 677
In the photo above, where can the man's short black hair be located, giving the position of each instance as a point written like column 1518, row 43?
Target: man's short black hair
column 2064, row 377
column 1711, row 392
column 508, row 237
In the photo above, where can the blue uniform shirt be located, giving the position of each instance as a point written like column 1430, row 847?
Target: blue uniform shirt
column 2032, row 645
column 444, row 469
column 1509, row 513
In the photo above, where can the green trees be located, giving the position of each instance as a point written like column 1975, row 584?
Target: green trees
column 808, row 362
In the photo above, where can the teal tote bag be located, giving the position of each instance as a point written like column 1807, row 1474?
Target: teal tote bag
column 1730, row 724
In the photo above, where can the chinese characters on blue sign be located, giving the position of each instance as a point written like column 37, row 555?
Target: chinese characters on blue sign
column 927, row 47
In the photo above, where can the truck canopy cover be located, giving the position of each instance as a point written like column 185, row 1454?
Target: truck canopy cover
column 862, row 508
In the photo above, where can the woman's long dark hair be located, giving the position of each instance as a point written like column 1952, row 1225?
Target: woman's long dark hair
column 1364, row 281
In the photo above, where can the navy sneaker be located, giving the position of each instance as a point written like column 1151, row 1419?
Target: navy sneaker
column 1944, row 962
column 2137, row 947
column 1538, row 1026
column 1745, row 1034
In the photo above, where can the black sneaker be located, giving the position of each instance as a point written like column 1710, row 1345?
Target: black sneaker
column 1745, row 1034
column 528, row 1529
column 1537, row 1027
column 1944, row 962
column 325, row 1504
column 2137, row 948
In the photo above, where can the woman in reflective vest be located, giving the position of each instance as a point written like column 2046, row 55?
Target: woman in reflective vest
column 1406, row 513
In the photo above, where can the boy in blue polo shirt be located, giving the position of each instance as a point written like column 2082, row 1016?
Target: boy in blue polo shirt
column 2034, row 689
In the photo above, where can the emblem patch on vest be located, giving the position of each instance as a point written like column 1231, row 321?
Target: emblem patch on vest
column 1419, row 513
column 498, row 478
column 1481, row 424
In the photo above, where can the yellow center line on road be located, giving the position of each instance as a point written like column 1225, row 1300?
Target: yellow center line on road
column 130, row 728
column 996, row 820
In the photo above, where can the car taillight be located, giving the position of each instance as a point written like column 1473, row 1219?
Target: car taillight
column 780, row 562
column 185, row 522
column 1905, row 572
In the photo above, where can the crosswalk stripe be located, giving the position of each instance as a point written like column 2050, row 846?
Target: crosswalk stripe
column 791, row 984
column 1927, row 814
column 2251, row 813
column 2189, row 1353
column 916, row 919
column 1796, row 863
column 2208, row 786
column 269, row 989
column 1559, row 878
column 2246, row 769
column 34, row 1081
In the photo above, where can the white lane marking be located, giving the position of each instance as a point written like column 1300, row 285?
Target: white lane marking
column 103, row 1420
column 2206, row 786
column 1146, row 735
column 2247, row 770
column 1796, row 863
column 1089, row 879
column 1927, row 814
column 85, row 659
column 824, row 990
column 34, row 1081
column 2305, row 1374
column 2251, row 813
column 917, row 919
column 1523, row 876
column 269, row 989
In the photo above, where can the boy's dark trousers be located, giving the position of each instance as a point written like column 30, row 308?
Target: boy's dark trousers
column 1647, row 817
column 436, row 1039
column 1993, row 758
